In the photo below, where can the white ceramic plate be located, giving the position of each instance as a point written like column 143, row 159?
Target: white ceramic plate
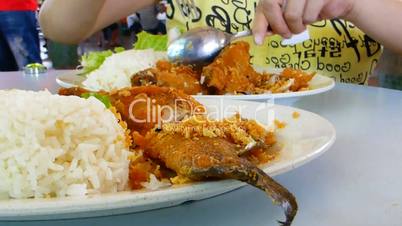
column 318, row 84
column 70, row 79
column 303, row 139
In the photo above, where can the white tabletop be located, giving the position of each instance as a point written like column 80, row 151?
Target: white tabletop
column 357, row 182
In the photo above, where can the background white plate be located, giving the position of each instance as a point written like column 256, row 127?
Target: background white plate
column 303, row 139
column 70, row 79
column 318, row 84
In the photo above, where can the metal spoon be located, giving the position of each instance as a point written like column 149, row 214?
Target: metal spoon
column 200, row 46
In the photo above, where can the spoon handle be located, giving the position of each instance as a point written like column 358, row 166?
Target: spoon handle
column 241, row 34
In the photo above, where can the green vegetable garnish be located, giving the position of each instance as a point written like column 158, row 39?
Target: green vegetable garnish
column 34, row 69
column 119, row 49
column 102, row 98
column 150, row 41
column 93, row 60
column 35, row 66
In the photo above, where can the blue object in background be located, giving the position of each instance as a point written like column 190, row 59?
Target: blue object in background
column 19, row 40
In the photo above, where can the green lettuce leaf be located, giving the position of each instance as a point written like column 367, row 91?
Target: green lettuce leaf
column 150, row 41
column 102, row 98
column 93, row 60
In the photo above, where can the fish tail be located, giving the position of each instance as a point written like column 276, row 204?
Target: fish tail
column 259, row 179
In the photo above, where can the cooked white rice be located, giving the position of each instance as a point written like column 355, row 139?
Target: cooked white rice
column 53, row 145
column 117, row 70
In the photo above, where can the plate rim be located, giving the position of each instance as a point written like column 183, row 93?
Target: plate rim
column 265, row 96
column 330, row 81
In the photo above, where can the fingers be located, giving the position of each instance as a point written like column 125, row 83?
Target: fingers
column 285, row 22
column 294, row 15
column 272, row 10
column 312, row 11
column 260, row 26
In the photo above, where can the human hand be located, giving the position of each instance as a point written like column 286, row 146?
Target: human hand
column 291, row 17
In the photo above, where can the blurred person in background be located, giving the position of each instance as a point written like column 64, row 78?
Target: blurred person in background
column 19, row 39
column 111, row 35
column 134, row 25
column 162, row 9
column 149, row 20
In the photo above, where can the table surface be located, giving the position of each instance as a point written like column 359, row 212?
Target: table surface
column 357, row 182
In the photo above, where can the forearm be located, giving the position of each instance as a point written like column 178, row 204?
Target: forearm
column 71, row 21
column 381, row 20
